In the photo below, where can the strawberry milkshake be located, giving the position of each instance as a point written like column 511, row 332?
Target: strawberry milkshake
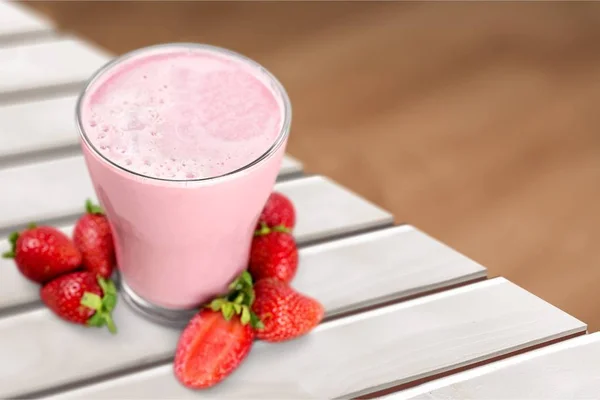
column 183, row 143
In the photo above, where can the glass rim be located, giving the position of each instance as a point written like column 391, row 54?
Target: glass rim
column 276, row 86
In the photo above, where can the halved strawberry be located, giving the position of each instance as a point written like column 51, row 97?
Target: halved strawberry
column 217, row 339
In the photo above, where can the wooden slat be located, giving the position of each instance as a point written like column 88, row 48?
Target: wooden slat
column 48, row 64
column 18, row 22
column 58, row 188
column 37, row 126
column 408, row 262
column 346, row 357
column 568, row 370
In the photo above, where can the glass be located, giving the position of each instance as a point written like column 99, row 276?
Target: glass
column 180, row 242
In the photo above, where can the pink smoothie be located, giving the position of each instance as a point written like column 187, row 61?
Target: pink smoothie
column 163, row 131
column 186, row 114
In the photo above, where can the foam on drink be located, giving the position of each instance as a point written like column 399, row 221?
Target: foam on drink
column 182, row 113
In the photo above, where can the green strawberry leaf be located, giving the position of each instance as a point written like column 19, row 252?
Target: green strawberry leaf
column 96, row 320
column 245, row 318
column 92, row 208
column 8, row 254
column 91, row 300
column 107, row 285
column 227, row 311
column 246, row 277
column 251, row 297
column 12, row 239
column 255, row 322
column 237, row 308
column 109, row 301
column 239, row 298
column 216, row 304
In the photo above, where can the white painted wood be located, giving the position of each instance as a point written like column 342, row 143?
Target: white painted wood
column 37, row 126
column 18, row 21
column 58, row 188
column 567, row 370
column 346, row 357
column 330, row 204
column 48, row 64
column 407, row 261
column 45, row 190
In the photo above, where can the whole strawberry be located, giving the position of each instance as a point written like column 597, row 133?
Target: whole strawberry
column 93, row 237
column 278, row 211
column 82, row 298
column 285, row 313
column 217, row 339
column 43, row 252
column 273, row 254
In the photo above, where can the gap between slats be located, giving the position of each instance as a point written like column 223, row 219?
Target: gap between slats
column 37, row 156
column 41, row 93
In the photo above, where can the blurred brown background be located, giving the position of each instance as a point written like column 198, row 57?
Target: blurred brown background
column 476, row 122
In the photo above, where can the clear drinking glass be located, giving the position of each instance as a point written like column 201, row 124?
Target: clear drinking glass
column 181, row 242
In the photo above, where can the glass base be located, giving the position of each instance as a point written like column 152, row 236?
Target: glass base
column 165, row 316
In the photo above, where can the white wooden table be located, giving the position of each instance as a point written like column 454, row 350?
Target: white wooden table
column 405, row 313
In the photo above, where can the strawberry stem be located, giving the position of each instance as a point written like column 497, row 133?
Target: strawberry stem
column 238, row 301
column 92, row 208
column 110, row 324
